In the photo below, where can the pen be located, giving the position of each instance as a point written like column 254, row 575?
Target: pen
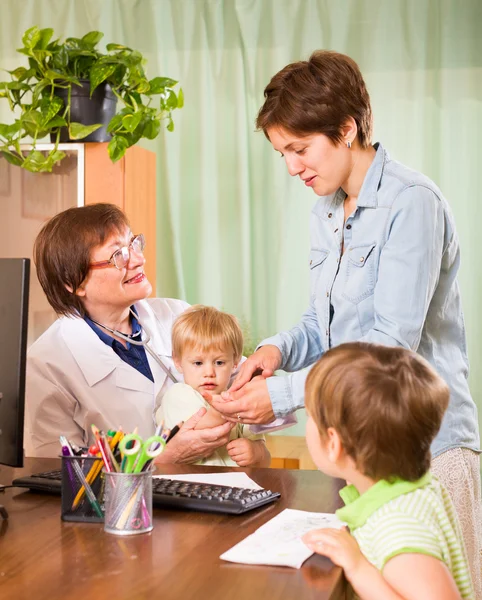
column 173, row 431
column 97, row 466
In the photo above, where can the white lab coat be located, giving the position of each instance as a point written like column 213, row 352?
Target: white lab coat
column 75, row 380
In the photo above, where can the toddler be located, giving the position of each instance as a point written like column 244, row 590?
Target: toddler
column 373, row 412
column 207, row 346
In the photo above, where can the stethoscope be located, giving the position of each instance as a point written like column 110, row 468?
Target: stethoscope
column 142, row 342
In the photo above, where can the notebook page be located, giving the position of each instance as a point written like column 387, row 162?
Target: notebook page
column 278, row 542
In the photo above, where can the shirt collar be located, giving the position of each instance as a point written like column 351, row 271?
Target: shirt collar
column 367, row 196
column 360, row 507
column 368, row 191
column 109, row 340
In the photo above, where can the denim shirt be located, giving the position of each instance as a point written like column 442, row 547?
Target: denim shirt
column 395, row 284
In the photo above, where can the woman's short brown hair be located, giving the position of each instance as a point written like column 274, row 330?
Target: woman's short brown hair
column 206, row 328
column 385, row 403
column 318, row 96
column 63, row 248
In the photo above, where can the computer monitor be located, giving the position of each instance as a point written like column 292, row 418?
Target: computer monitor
column 14, row 288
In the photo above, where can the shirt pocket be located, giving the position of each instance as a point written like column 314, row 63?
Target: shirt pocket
column 317, row 259
column 360, row 274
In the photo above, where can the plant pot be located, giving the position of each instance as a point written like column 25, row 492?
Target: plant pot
column 88, row 111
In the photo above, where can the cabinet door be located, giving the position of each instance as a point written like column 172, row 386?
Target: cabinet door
column 27, row 201
column 129, row 183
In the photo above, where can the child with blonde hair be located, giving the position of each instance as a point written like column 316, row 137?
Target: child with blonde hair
column 373, row 412
column 207, row 346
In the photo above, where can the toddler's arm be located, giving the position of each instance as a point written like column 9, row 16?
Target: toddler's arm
column 429, row 577
column 249, row 453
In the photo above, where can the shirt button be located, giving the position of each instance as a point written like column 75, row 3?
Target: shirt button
column 327, row 332
column 348, row 226
column 330, row 215
column 327, row 294
column 362, row 259
column 311, row 262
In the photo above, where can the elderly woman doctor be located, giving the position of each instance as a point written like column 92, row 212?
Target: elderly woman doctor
column 90, row 367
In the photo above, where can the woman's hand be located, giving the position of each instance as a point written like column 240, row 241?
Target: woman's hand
column 265, row 360
column 190, row 444
column 251, row 404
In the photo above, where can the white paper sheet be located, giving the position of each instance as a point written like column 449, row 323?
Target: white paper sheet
column 278, row 542
column 235, row 479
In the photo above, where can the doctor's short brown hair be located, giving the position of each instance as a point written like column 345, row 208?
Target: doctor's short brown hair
column 63, row 248
column 206, row 328
column 386, row 404
column 318, row 96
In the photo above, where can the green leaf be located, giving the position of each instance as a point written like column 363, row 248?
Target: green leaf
column 117, row 147
column 180, row 98
column 58, row 76
column 92, row 38
column 171, row 102
column 45, row 36
column 99, row 73
column 114, row 47
column 60, row 58
column 13, row 159
column 115, row 123
column 159, row 83
column 156, row 85
column 31, row 37
column 38, row 89
column 170, row 125
column 33, row 116
column 130, row 122
column 17, row 85
column 18, row 73
column 151, row 129
column 142, row 87
column 50, row 107
column 77, row 131
column 56, row 122
column 35, row 157
column 10, row 130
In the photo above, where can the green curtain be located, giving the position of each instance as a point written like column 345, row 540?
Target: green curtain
column 232, row 225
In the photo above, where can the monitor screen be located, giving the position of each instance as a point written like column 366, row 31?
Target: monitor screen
column 14, row 286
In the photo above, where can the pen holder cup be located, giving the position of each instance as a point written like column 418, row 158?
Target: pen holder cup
column 128, row 503
column 82, row 489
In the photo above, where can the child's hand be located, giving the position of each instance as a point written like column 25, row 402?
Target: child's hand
column 338, row 545
column 244, row 452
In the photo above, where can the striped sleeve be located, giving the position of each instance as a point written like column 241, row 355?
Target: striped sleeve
column 399, row 533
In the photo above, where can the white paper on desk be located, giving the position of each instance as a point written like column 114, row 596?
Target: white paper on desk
column 235, row 479
column 278, row 542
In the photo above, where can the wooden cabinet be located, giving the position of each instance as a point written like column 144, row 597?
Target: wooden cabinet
column 85, row 176
column 289, row 452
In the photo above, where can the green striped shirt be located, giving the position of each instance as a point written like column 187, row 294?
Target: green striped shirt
column 407, row 517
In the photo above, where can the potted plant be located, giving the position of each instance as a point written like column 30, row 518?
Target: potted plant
column 61, row 78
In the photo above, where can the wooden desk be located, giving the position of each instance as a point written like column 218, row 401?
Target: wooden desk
column 44, row 557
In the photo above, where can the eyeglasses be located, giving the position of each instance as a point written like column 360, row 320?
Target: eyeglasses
column 121, row 257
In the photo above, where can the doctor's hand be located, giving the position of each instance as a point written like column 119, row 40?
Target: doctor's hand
column 189, row 444
column 263, row 362
column 251, row 404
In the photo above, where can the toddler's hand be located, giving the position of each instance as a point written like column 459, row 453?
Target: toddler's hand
column 243, row 452
column 338, row 545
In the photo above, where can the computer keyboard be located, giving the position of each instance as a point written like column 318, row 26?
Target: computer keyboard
column 50, row 482
column 206, row 497
column 172, row 493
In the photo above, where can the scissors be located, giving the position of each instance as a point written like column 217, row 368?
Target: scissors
column 138, row 453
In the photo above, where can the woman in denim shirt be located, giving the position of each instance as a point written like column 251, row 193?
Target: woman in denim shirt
column 383, row 262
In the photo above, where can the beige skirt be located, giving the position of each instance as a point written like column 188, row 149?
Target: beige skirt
column 459, row 471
